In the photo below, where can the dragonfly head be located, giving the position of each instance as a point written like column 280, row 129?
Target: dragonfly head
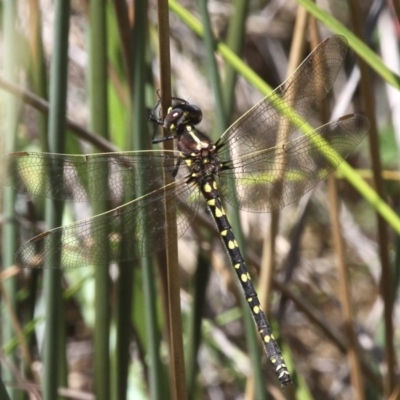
column 181, row 115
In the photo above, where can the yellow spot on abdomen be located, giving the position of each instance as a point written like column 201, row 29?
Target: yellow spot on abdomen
column 218, row 212
column 256, row 310
column 207, row 188
column 211, row 202
column 243, row 277
column 231, row 244
column 224, row 233
column 267, row 338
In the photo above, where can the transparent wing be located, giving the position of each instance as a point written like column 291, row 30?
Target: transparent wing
column 264, row 126
column 81, row 177
column 270, row 179
column 141, row 221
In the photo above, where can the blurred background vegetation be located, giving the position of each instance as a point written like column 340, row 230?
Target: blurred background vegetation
column 331, row 260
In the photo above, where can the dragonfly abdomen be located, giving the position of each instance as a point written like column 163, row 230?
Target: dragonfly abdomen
column 209, row 189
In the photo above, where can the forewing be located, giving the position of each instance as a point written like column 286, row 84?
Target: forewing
column 141, row 222
column 278, row 115
column 270, row 179
column 81, row 177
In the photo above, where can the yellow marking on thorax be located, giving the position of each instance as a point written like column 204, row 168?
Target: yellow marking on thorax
column 192, row 133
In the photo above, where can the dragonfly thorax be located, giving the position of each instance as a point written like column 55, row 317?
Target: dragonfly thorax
column 191, row 141
column 199, row 153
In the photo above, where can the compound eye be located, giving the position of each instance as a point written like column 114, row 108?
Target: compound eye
column 195, row 115
column 173, row 116
column 183, row 114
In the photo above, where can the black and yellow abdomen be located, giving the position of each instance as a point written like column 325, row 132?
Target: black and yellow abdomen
column 209, row 189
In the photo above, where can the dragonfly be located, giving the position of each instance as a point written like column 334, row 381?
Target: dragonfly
column 260, row 164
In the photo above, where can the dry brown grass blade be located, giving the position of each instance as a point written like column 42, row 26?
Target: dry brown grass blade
column 177, row 363
column 338, row 245
column 383, row 238
column 344, row 292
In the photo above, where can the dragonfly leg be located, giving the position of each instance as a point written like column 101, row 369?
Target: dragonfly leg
column 174, row 172
column 163, row 139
